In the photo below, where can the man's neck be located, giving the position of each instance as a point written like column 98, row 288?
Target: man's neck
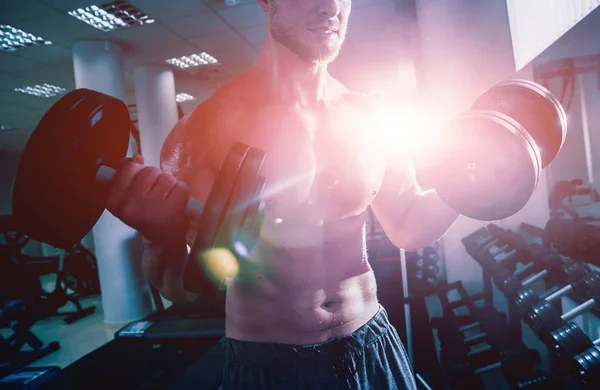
column 288, row 79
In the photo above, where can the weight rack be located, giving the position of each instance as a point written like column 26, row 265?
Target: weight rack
column 570, row 348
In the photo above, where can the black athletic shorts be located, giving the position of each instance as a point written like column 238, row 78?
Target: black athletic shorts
column 373, row 357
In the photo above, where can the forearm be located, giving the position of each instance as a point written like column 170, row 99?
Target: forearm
column 164, row 266
column 426, row 220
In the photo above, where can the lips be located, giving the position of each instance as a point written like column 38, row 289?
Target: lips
column 323, row 32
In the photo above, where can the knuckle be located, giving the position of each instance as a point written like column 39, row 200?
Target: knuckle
column 148, row 171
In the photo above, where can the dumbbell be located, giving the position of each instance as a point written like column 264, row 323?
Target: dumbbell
column 489, row 159
column 578, row 273
column 61, row 186
column 544, row 318
column 585, row 366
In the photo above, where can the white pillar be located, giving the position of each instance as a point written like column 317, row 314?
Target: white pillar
column 126, row 296
column 156, row 108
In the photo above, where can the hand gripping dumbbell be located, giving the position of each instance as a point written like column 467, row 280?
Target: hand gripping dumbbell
column 62, row 185
column 488, row 161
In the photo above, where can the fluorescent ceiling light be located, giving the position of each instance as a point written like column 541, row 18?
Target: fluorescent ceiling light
column 111, row 16
column 184, row 97
column 44, row 90
column 2, row 128
column 13, row 39
column 193, row 60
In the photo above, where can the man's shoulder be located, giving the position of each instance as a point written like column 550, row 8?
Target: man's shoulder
column 354, row 100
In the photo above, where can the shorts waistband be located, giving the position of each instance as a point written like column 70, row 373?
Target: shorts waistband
column 273, row 353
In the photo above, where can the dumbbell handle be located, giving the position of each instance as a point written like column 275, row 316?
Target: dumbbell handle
column 489, row 367
column 587, row 305
column 534, row 278
column 558, row 294
column 194, row 207
column 479, row 350
column 478, row 337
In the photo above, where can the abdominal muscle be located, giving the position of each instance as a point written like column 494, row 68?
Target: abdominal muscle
column 305, row 295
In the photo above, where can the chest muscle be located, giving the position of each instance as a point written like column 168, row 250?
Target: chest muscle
column 321, row 167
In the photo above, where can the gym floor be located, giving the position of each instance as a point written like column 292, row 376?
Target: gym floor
column 76, row 339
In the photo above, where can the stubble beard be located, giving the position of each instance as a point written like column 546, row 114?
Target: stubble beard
column 322, row 54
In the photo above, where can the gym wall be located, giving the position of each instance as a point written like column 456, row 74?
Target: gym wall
column 552, row 19
column 574, row 47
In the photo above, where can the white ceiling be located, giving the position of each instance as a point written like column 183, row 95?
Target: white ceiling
column 234, row 35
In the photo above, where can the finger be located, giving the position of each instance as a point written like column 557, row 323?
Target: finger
column 179, row 195
column 163, row 186
column 138, row 158
column 144, row 180
column 120, row 183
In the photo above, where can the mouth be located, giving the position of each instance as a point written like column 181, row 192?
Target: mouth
column 324, row 31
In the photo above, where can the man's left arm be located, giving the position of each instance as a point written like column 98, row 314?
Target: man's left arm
column 411, row 218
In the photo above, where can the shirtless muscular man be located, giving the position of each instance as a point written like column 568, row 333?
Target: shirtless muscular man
column 312, row 319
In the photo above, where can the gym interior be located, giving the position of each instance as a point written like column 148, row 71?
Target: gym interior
column 496, row 303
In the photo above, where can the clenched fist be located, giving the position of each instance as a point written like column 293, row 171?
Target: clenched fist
column 150, row 201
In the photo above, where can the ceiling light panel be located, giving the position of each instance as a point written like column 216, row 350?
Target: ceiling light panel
column 111, row 16
column 43, row 90
column 13, row 39
column 193, row 61
column 184, row 97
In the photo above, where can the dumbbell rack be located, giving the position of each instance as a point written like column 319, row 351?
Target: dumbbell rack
column 570, row 347
column 464, row 357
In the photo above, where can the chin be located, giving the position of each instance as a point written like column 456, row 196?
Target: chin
column 323, row 55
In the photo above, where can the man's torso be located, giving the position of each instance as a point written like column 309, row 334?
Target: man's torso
column 324, row 167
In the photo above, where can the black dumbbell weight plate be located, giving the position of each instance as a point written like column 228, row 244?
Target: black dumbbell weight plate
column 589, row 286
column 197, row 275
column 491, row 165
column 534, row 107
column 570, row 340
column 56, row 198
column 543, row 319
column 586, row 367
column 254, row 216
column 525, row 300
column 243, row 209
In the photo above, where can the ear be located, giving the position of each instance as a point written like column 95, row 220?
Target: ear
column 264, row 4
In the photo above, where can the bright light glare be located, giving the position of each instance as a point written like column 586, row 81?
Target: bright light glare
column 409, row 125
column 183, row 97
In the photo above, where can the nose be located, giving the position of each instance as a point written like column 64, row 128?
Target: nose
column 329, row 8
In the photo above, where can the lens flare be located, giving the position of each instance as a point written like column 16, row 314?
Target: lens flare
column 220, row 263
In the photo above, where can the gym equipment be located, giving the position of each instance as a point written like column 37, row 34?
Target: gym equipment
column 503, row 350
column 29, row 378
column 21, row 347
column 81, row 271
column 61, row 186
column 575, row 238
column 570, row 340
column 525, row 299
column 565, row 339
column 586, row 366
column 172, row 329
column 20, row 278
column 49, row 302
column 491, row 157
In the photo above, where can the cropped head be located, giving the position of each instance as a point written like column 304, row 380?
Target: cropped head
column 314, row 30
